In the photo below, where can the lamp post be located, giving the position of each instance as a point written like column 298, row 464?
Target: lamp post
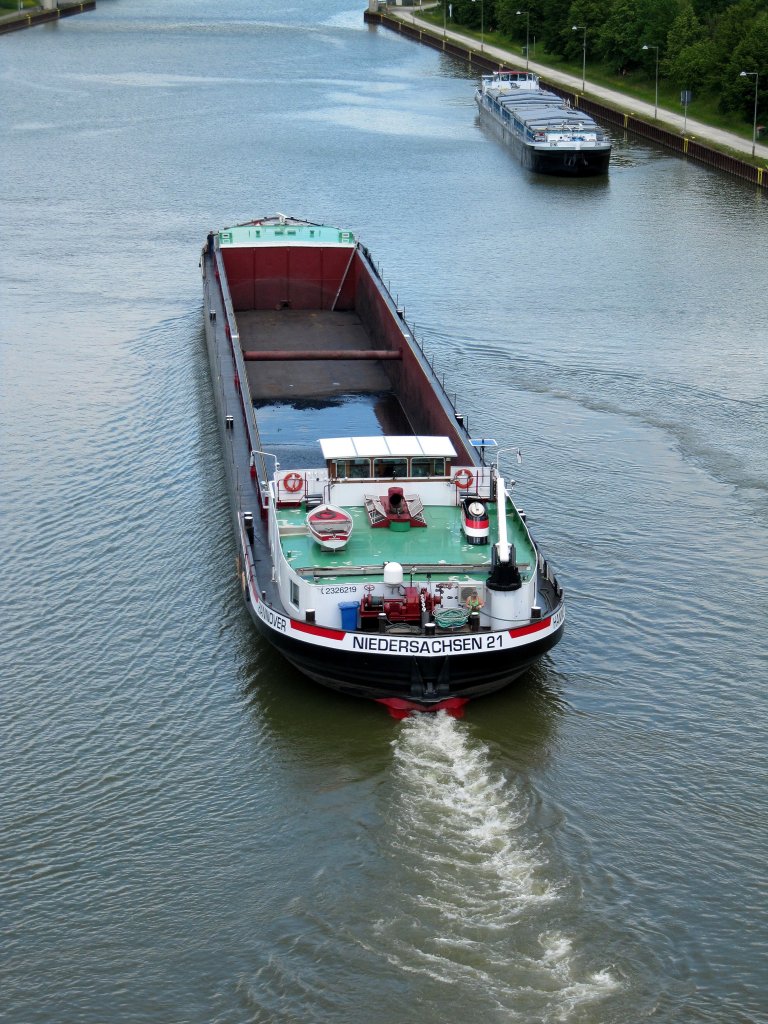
column 748, row 74
column 584, row 55
column 527, row 31
column 656, row 102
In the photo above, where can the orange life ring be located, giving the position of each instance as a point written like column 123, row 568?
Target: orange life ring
column 293, row 482
column 463, row 479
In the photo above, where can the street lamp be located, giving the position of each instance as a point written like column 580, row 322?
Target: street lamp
column 527, row 30
column 748, row 74
column 656, row 103
column 584, row 55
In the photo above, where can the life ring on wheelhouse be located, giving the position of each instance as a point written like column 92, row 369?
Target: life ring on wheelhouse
column 463, row 479
column 293, row 482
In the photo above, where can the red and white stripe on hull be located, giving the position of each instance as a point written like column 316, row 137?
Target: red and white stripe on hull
column 421, row 646
column 380, row 667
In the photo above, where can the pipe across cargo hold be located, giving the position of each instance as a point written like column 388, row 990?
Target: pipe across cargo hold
column 300, row 355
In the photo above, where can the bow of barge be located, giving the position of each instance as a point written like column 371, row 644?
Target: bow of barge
column 324, row 398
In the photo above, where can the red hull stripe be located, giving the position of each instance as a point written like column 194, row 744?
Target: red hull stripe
column 305, row 627
column 533, row 628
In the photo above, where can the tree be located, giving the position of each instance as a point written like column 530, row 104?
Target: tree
column 620, row 39
column 731, row 27
column 659, row 18
column 509, row 22
column 475, row 14
column 751, row 54
column 686, row 30
column 693, row 67
column 591, row 13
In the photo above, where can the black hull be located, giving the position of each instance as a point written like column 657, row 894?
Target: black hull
column 561, row 163
column 422, row 680
column 577, row 164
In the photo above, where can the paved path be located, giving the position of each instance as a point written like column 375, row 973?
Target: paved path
column 667, row 118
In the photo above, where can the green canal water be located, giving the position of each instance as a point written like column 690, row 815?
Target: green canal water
column 191, row 832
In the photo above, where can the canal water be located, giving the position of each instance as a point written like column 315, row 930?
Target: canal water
column 192, row 833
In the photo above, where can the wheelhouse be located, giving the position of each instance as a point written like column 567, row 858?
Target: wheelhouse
column 388, row 458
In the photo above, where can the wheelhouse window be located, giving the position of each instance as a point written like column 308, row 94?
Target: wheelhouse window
column 427, row 467
column 350, row 469
column 389, row 468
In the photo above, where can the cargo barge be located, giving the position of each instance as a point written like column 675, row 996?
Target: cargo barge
column 378, row 545
column 543, row 130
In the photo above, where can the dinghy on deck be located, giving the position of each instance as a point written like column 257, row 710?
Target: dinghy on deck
column 331, row 526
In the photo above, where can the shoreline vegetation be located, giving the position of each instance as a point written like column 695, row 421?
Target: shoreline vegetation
column 720, row 96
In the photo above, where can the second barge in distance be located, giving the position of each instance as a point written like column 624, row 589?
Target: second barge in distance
column 432, row 591
column 547, row 134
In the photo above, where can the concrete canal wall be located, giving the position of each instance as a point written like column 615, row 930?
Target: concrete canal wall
column 683, row 145
column 30, row 16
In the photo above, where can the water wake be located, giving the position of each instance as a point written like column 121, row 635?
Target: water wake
column 476, row 905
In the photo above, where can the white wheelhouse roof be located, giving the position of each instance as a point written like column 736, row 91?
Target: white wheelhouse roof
column 383, row 447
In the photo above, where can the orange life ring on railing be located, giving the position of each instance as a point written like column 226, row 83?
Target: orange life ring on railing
column 463, row 479
column 293, row 482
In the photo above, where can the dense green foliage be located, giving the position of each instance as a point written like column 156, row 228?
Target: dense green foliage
column 703, row 45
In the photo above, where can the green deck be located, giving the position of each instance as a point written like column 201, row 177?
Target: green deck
column 441, row 542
